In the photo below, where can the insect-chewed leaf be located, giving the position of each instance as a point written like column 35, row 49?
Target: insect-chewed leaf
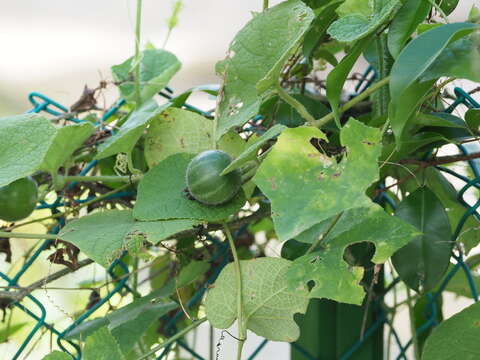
column 322, row 187
column 256, row 57
column 102, row 236
column 177, row 131
column 24, row 142
column 268, row 305
column 455, row 338
column 371, row 224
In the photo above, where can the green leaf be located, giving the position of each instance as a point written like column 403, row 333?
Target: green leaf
column 456, row 337
column 319, row 27
column 232, row 143
column 284, row 114
column 251, row 151
column 447, row 6
column 420, row 54
column 446, row 193
column 24, row 142
column 422, row 263
column 336, row 78
column 405, row 22
column 459, row 284
column 177, row 131
column 268, row 305
column 104, row 235
column 131, row 130
column 323, row 187
column 192, row 272
column 371, row 224
column 355, row 7
column 423, row 313
column 460, row 59
column 157, row 67
column 179, row 100
column 472, row 118
column 162, row 196
column 68, row 139
column 356, row 26
column 256, row 58
column 57, row 355
column 101, row 345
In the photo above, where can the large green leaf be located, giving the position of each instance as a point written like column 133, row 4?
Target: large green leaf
column 422, row 263
column 322, row 187
column 256, row 58
column 460, row 59
column 268, row 305
column 101, row 345
column 253, row 148
column 130, row 131
column 7, row 330
column 104, row 235
column 336, row 78
column 456, row 337
column 446, row 193
column 405, row 22
column 371, row 224
column 459, row 284
column 356, row 26
column 24, row 142
column 177, row 131
column 162, row 196
column 157, row 67
column 68, row 139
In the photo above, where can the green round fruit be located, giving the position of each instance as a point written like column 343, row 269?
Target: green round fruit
column 204, row 182
column 18, row 199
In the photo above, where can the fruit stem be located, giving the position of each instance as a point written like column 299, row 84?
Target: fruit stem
column 242, row 332
column 138, row 25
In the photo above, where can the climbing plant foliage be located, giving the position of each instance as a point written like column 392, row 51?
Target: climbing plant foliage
column 344, row 181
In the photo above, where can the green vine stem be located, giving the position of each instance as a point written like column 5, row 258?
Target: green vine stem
column 105, row 178
column 7, row 234
column 138, row 26
column 242, row 331
column 413, row 330
column 357, row 99
column 317, row 243
column 265, row 5
column 290, row 100
column 174, row 338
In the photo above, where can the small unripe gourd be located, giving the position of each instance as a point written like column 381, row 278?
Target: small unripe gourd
column 18, row 199
column 204, row 182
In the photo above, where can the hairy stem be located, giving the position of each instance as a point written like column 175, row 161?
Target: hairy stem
column 357, row 99
column 242, row 332
column 290, row 100
column 7, row 234
column 138, row 26
column 105, row 178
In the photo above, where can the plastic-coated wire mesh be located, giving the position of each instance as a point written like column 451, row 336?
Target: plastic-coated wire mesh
column 42, row 103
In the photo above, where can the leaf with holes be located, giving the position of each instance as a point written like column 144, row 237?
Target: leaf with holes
column 456, row 337
column 104, row 235
column 357, row 26
column 268, row 305
column 68, row 139
column 24, row 142
column 162, row 195
column 422, row 263
column 371, row 224
column 157, row 67
column 256, row 58
column 131, row 130
column 177, row 131
column 322, row 187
